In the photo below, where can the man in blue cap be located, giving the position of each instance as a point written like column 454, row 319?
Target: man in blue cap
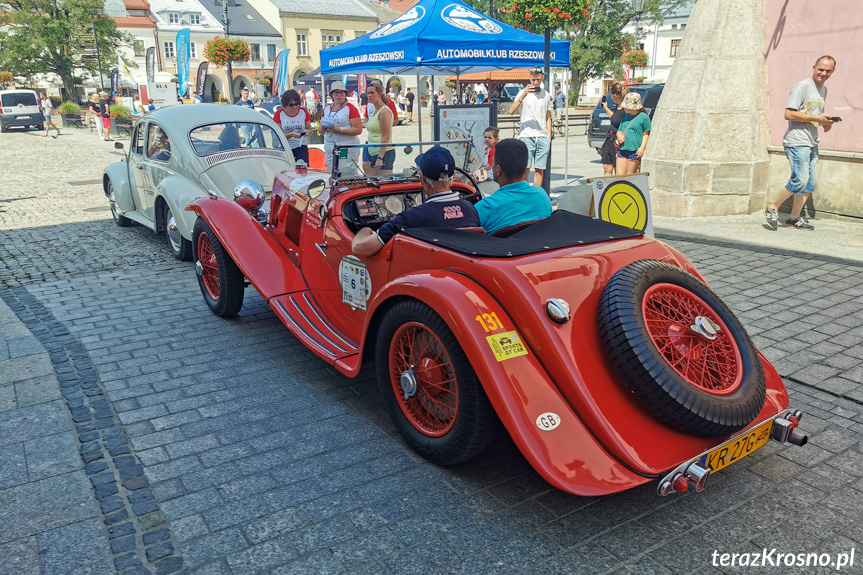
column 442, row 208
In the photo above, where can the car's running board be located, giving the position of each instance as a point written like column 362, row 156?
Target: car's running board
column 300, row 315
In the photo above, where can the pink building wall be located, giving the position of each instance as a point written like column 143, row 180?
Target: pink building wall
column 797, row 33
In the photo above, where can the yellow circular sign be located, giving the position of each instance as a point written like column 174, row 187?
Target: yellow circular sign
column 623, row 204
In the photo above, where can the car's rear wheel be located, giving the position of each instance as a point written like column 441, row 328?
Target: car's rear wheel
column 221, row 281
column 180, row 247
column 119, row 218
column 429, row 388
column 2, row 127
column 40, row 127
column 680, row 350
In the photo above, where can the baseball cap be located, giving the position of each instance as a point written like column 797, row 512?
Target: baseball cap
column 632, row 101
column 437, row 164
column 338, row 85
column 103, row 93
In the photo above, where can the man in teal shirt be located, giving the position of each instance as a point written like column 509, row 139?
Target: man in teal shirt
column 516, row 201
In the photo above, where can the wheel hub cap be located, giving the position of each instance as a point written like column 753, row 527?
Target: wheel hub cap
column 705, row 327
column 173, row 232
column 199, row 267
column 408, row 382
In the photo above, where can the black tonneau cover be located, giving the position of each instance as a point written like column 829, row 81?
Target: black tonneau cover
column 560, row 230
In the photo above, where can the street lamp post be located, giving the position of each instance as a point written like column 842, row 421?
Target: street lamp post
column 637, row 6
column 228, row 71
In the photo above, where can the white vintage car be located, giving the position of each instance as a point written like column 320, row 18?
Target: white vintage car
column 181, row 153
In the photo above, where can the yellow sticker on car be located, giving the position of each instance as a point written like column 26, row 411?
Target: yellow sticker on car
column 506, row 345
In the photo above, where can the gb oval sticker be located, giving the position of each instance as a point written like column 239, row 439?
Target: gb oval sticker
column 548, row 421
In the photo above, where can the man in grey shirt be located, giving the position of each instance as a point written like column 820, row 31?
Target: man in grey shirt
column 804, row 112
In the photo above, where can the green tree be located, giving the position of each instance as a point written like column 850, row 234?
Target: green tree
column 56, row 36
column 599, row 43
column 593, row 27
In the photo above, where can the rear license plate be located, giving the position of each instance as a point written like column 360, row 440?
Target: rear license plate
column 737, row 448
column 23, row 117
column 605, row 123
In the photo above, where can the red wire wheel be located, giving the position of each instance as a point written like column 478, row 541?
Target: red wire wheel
column 221, row 281
column 680, row 350
column 210, row 269
column 712, row 364
column 428, row 386
column 418, row 356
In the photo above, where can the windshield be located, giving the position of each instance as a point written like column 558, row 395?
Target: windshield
column 215, row 138
column 22, row 98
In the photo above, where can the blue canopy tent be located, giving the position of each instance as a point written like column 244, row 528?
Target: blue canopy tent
column 442, row 37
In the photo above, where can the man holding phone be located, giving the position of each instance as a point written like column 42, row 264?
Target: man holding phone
column 804, row 112
column 535, row 104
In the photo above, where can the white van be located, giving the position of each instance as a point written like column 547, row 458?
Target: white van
column 20, row 108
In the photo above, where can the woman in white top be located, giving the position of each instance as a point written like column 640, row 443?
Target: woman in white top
column 401, row 100
column 341, row 124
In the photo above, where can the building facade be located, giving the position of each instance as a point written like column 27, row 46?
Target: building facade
column 309, row 27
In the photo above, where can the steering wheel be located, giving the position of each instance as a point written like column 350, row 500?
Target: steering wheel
column 466, row 177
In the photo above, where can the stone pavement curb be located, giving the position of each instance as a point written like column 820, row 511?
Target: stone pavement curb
column 139, row 537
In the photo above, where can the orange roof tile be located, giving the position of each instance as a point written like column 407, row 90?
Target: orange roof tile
column 497, row 76
column 134, row 21
column 401, row 5
column 137, row 5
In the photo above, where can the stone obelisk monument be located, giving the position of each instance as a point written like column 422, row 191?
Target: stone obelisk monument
column 707, row 152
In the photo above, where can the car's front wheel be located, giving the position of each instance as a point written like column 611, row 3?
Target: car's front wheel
column 429, row 388
column 180, row 247
column 219, row 278
column 119, row 218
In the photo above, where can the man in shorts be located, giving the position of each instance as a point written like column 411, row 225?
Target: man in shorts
column 804, row 112
column 442, row 207
column 535, row 104
column 47, row 107
column 409, row 97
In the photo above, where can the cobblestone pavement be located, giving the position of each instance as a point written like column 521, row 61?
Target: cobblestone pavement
column 260, row 458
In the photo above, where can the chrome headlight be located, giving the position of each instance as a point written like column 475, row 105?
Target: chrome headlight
column 249, row 195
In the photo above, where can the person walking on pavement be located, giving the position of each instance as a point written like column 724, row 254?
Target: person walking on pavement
column 105, row 111
column 93, row 105
column 559, row 103
column 535, row 104
column 47, row 107
column 409, row 97
column 804, row 112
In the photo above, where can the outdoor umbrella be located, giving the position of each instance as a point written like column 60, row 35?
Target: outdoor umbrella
column 442, row 36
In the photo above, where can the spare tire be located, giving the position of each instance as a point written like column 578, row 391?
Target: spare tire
column 680, row 350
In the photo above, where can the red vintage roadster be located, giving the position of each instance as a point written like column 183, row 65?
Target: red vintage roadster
column 602, row 351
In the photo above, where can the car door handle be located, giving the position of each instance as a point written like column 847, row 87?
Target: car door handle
column 322, row 248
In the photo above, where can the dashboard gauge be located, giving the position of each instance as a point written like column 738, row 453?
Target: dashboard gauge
column 378, row 200
column 394, row 204
column 417, row 199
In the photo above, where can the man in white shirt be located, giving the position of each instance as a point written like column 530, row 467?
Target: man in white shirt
column 535, row 104
column 311, row 100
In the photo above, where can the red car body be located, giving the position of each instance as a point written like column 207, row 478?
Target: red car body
column 598, row 440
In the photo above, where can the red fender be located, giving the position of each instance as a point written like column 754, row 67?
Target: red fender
column 258, row 255
column 558, row 446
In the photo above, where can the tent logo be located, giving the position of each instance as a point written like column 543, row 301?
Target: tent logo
column 463, row 17
column 406, row 20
